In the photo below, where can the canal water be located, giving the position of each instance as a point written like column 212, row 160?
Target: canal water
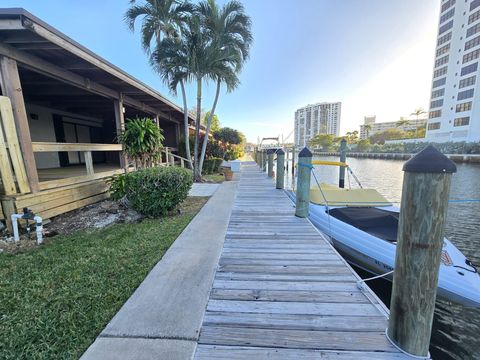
column 456, row 329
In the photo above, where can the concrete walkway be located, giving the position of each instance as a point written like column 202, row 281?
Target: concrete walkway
column 162, row 319
column 199, row 189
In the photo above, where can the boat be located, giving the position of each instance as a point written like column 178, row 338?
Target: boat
column 362, row 225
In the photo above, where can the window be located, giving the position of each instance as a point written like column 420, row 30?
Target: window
column 474, row 4
column 472, row 30
column 443, row 50
column 444, row 38
column 446, row 27
column 434, row 126
column 467, row 82
column 471, row 56
column 435, row 114
column 440, row 72
column 438, row 93
column 472, row 43
column 469, row 69
column 439, row 82
column 466, row 94
column 447, row 15
column 448, row 4
column 441, row 61
column 436, row 103
column 474, row 17
column 463, row 107
column 463, row 121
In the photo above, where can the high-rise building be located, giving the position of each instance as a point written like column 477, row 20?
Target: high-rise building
column 455, row 99
column 321, row 118
column 370, row 127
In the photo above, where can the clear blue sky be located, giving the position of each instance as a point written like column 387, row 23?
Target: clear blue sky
column 375, row 56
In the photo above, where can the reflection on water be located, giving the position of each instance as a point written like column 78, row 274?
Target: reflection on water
column 456, row 329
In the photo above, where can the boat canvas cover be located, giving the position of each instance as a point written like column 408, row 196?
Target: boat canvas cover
column 333, row 196
column 380, row 223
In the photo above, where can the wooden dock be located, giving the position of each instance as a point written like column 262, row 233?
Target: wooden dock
column 282, row 292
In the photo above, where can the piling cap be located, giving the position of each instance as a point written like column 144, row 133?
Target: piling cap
column 430, row 160
column 305, row 153
column 270, row 151
column 280, row 152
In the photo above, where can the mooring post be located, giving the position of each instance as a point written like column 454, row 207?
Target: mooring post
column 264, row 160
column 293, row 161
column 260, row 159
column 343, row 158
column 286, row 160
column 280, row 169
column 303, row 183
column 426, row 189
column 270, row 162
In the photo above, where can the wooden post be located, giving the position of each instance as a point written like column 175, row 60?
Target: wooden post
column 270, row 162
column 303, row 183
column 343, row 158
column 12, row 88
column 286, row 160
column 89, row 162
column 280, row 169
column 426, row 189
column 293, row 161
column 8, row 208
column 264, row 160
column 120, row 125
column 167, row 156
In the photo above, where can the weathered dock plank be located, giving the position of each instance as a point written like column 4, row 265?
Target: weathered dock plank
column 282, row 292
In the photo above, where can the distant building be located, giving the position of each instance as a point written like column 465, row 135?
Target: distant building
column 370, row 127
column 455, row 100
column 311, row 120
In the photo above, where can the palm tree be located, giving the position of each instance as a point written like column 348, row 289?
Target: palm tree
column 229, row 30
column 402, row 122
column 159, row 18
column 167, row 18
column 418, row 111
column 367, row 128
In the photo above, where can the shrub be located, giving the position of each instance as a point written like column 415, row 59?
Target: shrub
column 156, row 191
column 211, row 166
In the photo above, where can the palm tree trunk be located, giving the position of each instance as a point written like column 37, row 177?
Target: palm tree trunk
column 196, row 174
column 185, row 124
column 207, row 130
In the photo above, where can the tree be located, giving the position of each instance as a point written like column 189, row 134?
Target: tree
column 229, row 136
column 159, row 18
column 322, row 140
column 402, row 122
column 363, row 145
column 417, row 112
column 168, row 18
column 229, row 30
column 215, row 125
column 367, row 128
column 389, row 134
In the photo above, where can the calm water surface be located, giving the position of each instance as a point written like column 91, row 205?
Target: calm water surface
column 456, row 329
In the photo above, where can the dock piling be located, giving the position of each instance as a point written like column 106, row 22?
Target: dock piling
column 426, row 189
column 280, row 169
column 343, row 158
column 270, row 153
column 293, row 161
column 264, row 160
column 303, row 183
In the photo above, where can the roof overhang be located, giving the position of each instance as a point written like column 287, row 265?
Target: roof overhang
column 39, row 47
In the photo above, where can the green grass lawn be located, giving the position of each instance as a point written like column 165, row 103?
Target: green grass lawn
column 56, row 299
column 215, row 178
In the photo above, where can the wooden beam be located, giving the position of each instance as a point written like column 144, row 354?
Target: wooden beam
column 51, row 184
column 44, row 67
column 120, row 125
column 12, row 88
column 8, row 122
column 6, row 168
column 76, row 50
column 11, row 24
column 53, row 147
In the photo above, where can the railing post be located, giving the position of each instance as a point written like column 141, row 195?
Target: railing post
column 270, row 162
column 89, row 162
column 280, row 169
column 426, row 189
column 182, row 163
column 167, row 156
column 293, row 161
column 343, row 158
column 303, row 183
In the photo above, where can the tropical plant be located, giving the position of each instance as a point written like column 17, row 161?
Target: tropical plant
column 402, row 122
column 159, row 18
column 215, row 125
column 367, row 128
column 165, row 19
column 229, row 136
column 230, row 37
column 142, row 141
column 324, row 141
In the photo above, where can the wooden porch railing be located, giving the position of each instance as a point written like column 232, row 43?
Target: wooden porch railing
column 170, row 158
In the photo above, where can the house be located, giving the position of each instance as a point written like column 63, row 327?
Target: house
column 61, row 109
